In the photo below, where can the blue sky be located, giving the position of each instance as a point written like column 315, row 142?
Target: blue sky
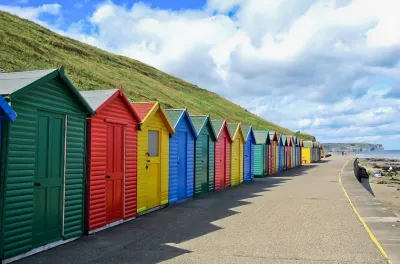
column 330, row 68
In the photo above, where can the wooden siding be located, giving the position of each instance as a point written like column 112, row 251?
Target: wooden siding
column 182, row 127
column 154, row 121
column 116, row 110
column 18, row 168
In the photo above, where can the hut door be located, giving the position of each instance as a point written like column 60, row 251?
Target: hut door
column 49, row 178
column 114, row 172
column 153, row 176
column 204, row 161
column 223, row 162
column 266, row 159
column 182, row 154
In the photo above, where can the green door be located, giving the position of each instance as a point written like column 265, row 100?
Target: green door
column 49, row 178
column 204, row 162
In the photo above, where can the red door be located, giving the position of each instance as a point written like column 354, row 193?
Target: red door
column 114, row 172
column 223, row 162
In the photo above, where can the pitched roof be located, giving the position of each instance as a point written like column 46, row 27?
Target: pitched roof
column 273, row 135
column 147, row 109
column 246, row 130
column 11, row 82
column 307, row 144
column 218, row 126
column 16, row 83
column 174, row 115
column 284, row 140
column 232, row 129
column 261, row 136
column 96, row 98
column 235, row 130
column 143, row 109
column 199, row 121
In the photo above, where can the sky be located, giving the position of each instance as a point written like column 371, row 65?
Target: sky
column 330, row 68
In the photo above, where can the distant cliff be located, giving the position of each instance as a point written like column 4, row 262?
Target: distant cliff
column 351, row 147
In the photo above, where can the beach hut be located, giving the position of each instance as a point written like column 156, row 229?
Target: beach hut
column 248, row 153
column 284, row 150
column 261, row 156
column 273, row 152
column 301, row 145
column 236, row 153
column 222, row 155
column 289, row 152
column 43, row 163
column 292, row 153
column 111, row 159
column 204, row 154
column 306, row 152
column 153, row 156
column 181, row 155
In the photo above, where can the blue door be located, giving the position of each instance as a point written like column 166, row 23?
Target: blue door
column 247, row 161
column 182, row 154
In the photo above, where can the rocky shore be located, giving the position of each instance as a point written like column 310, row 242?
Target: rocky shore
column 383, row 181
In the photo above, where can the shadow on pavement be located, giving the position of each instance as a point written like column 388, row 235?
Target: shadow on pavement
column 151, row 238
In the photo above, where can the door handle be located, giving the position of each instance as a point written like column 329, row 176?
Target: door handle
column 108, row 177
column 148, row 160
column 147, row 167
column 36, row 184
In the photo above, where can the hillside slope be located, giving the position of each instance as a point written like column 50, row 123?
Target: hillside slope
column 28, row 46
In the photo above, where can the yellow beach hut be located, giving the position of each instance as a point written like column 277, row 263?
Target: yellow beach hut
column 306, row 152
column 153, row 156
column 236, row 153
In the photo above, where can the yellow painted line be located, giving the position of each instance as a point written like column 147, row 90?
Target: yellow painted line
column 371, row 235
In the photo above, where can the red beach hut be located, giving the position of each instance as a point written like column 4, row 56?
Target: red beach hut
column 222, row 155
column 112, row 159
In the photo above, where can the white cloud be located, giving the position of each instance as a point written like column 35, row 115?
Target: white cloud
column 32, row 13
column 315, row 65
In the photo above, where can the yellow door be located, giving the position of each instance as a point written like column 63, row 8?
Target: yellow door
column 235, row 163
column 153, row 176
column 240, row 160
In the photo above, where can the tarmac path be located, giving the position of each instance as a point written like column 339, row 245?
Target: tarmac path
column 298, row 216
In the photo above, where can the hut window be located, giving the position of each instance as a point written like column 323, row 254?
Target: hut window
column 153, row 143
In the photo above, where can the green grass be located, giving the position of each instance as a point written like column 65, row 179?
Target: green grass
column 28, row 46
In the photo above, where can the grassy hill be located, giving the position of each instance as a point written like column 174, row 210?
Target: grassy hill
column 28, row 46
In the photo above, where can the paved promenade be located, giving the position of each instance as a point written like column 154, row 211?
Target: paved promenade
column 300, row 216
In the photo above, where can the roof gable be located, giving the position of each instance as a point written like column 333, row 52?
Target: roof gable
column 175, row 116
column 16, row 84
column 261, row 136
column 273, row 136
column 201, row 122
column 235, row 130
column 99, row 99
column 220, row 125
column 307, row 144
column 146, row 110
column 248, row 133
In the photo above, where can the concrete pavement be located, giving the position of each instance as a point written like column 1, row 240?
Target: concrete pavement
column 383, row 223
column 299, row 216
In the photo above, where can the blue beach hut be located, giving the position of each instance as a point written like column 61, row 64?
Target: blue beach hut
column 181, row 155
column 248, row 153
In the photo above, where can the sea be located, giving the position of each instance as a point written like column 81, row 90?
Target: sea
column 383, row 154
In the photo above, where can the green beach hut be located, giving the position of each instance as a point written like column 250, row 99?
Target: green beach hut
column 261, row 153
column 204, row 154
column 43, row 163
